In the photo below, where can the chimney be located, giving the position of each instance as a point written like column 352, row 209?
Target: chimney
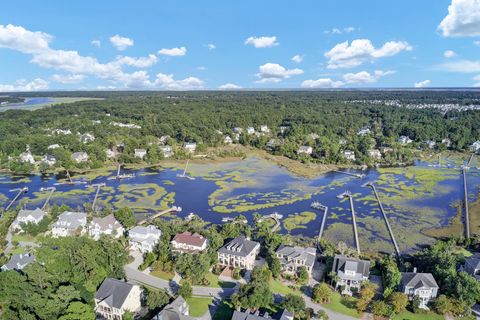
column 415, row 270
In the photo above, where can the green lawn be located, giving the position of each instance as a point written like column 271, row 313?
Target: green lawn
column 407, row 315
column 198, row 306
column 278, row 287
column 23, row 237
column 216, row 283
column 163, row 275
column 343, row 305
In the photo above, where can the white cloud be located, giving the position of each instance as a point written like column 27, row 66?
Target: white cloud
column 463, row 19
column 449, row 54
column 211, row 46
column 141, row 62
column 476, row 42
column 22, row 85
column 322, row 83
column 422, row 84
column 173, row 52
column 262, row 42
column 339, row 31
column 18, row 38
column 201, row 68
column 166, row 81
column 297, row 58
column 463, row 66
column 96, row 43
column 345, row 55
column 69, row 78
column 121, row 43
column 273, row 73
column 365, row 77
column 229, row 86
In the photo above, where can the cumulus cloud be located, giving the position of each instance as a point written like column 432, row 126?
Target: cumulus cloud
column 166, row 81
column 462, row 20
column 476, row 42
column 422, row 84
column 173, row 52
column 322, row 83
column 141, row 62
column 18, row 38
column 363, row 77
column 262, row 42
column 339, row 31
column 211, row 46
column 22, row 85
column 462, row 66
column 273, row 73
column 297, row 58
column 121, row 43
column 229, row 86
column 69, row 78
column 449, row 54
column 96, row 43
column 345, row 55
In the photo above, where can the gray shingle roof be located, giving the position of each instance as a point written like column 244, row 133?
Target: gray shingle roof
column 343, row 263
column 239, row 246
column 113, row 292
column 71, row 220
column 282, row 314
column 474, row 261
column 418, row 280
column 38, row 213
column 308, row 254
column 19, row 261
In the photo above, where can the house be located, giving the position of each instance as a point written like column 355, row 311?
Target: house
column 107, row 225
column 283, row 314
column 114, row 297
column 447, row 142
column 190, row 146
column 238, row 130
column 349, row 155
column 475, row 147
column 140, row 153
column 18, row 262
column 144, row 239
column 239, row 253
column 350, row 273
column 227, row 140
column 404, row 140
column 430, row 144
column 283, row 129
column 163, row 139
column 422, row 285
column 177, row 310
column 314, row 136
column 187, row 242
column 79, row 157
column 62, row 131
column 250, row 130
column 111, row 153
column 167, row 151
column 342, row 142
column 472, row 266
column 27, row 216
column 126, row 125
column 375, row 154
column 292, row 258
column 364, row 131
column 53, row 146
column 49, row 159
column 86, row 138
column 305, row 150
column 264, row 129
column 69, row 223
column 271, row 144
column 26, row 156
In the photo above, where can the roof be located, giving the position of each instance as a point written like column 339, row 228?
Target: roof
column 282, row 314
column 106, row 223
column 418, row 280
column 173, row 311
column 19, row 261
column 308, row 254
column 193, row 239
column 341, row 264
column 474, row 261
column 37, row 214
column 239, row 246
column 71, row 220
column 113, row 292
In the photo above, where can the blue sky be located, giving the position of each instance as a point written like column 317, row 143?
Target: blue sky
column 162, row 45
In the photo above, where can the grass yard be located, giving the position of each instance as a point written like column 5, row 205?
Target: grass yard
column 278, row 287
column 198, row 306
column 343, row 305
column 216, row 283
column 163, row 275
column 407, row 315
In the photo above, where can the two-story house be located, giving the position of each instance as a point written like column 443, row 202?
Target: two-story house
column 190, row 146
column 178, row 309
column 187, row 242
column 305, row 150
column 18, row 261
column 292, row 258
column 144, row 239
column 350, row 273
column 106, row 225
column 114, row 297
column 140, row 153
column 239, row 253
column 27, row 216
column 472, row 266
column 422, row 285
column 69, row 224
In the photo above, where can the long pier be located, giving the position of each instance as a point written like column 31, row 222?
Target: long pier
column 354, row 221
column 356, row 175
column 20, row 192
column 52, row 190
column 161, row 213
column 318, row 206
column 98, row 186
column 467, row 217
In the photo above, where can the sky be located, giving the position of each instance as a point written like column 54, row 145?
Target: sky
column 228, row 45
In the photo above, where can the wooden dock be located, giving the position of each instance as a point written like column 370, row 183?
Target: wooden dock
column 159, row 214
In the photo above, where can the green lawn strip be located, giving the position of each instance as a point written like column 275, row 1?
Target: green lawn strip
column 217, row 283
column 198, row 306
column 407, row 315
column 163, row 275
column 343, row 305
column 23, row 237
column 278, row 287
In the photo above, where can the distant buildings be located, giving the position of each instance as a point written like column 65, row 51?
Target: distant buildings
column 49, row 160
column 228, row 140
column 177, row 310
column 239, row 253
column 350, row 272
column 69, row 224
column 86, row 138
column 80, row 157
column 422, row 285
column 111, row 154
column 126, row 125
column 404, row 140
column 114, row 297
column 18, row 262
column 62, row 131
column 187, row 242
column 375, row 154
column 167, row 151
column 364, row 131
column 305, row 150
column 106, row 225
column 292, row 258
column 447, row 142
column 349, row 155
column 475, row 147
column 27, row 216
column 190, row 146
column 430, row 144
column 264, row 129
column 26, row 157
column 238, row 130
column 271, row 144
column 144, row 239
column 314, row 136
column 53, row 146
column 250, row 130
column 283, row 314
column 140, row 153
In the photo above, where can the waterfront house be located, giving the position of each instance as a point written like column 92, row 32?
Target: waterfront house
column 349, row 155
column 305, row 150
column 114, row 297
column 49, row 160
column 86, row 138
column 404, row 140
column 79, row 157
column 375, row 154
column 140, row 153
column 239, row 253
column 472, row 266
column 422, row 285
column 18, row 262
column 111, row 153
column 26, row 157
column 264, row 129
column 144, row 239
column 292, row 258
column 53, row 146
column 178, row 309
column 250, row 130
column 228, row 140
column 238, row 130
column 69, row 223
column 106, row 225
column 187, row 242
column 282, row 314
column 350, row 273
column 190, row 146
column 27, row 216
column 447, row 142
column 475, row 147
column 271, row 144
column 167, row 151
column 430, row 144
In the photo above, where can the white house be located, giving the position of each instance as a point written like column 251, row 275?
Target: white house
column 239, row 253
column 238, row 130
column 79, row 157
column 187, row 242
column 62, row 131
column 305, row 150
column 163, row 139
column 349, row 155
column 69, row 223
column 107, row 225
column 53, row 146
column 364, row 131
column 422, row 285
column 190, row 146
column 475, row 147
column 350, row 272
column 26, row 156
column 27, row 216
column 86, row 138
column 227, row 140
column 49, row 159
column 126, row 125
column 250, row 130
column 111, row 153
column 292, row 258
column 404, row 140
column 144, row 239
column 264, row 129
column 140, row 153
column 167, row 151
column 114, row 297
column 447, row 142
column 430, row 144
column 375, row 154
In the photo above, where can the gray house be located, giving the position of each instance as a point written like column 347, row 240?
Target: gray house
column 351, row 272
column 239, row 253
column 177, row 310
column 472, row 266
column 422, row 285
column 18, row 262
column 292, row 258
column 114, row 297
column 283, row 314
